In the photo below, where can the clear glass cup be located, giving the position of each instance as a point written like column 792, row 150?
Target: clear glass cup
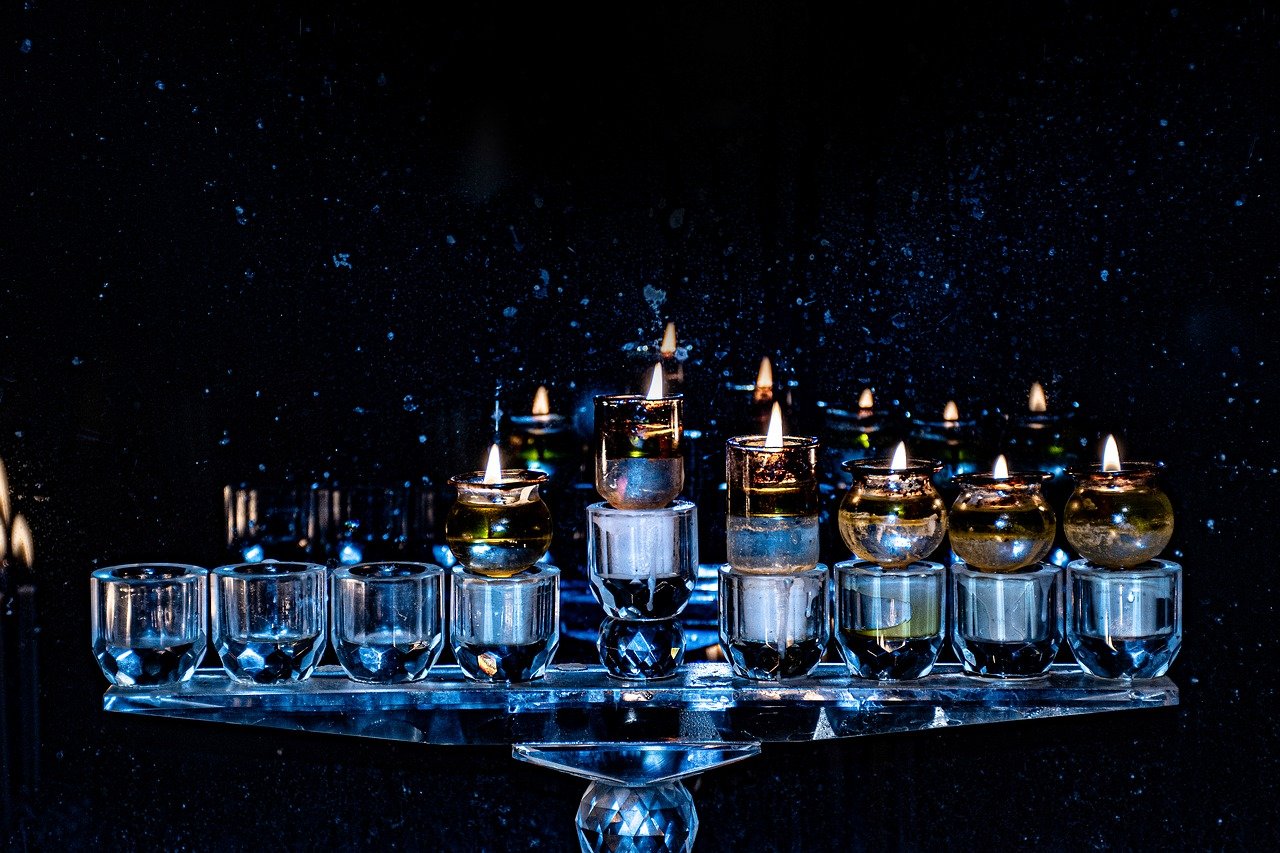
column 1125, row 623
column 506, row 629
column 642, row 563
column 388, row 620
column 1006, row 625
column 892, row 516
column 269, row 620
column 890, row 623
column 773, row 627
column 637, row 450
column 772, row 522
column 149, row 622
column 499, row 529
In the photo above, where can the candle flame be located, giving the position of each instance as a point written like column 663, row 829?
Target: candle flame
column 1111, row 455
column 668, row 347
column 764, row 379
column 655, row 384
column 865, row 400
column 493, row 471
column 951, row 412
column 1036, row 400
column 22, row 547
column 4, row 496
column 1001, row 471
column 773, row 441
column 541, row 402
column 899, row 457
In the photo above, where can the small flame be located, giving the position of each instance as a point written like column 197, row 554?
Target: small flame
column 1001, row 471
column 899, row 457
column 865, row 400
column 22, row 547
column 764, row 379
column 655, row 384
column 668, row 347
column 1036, row 400
column 493, row 471
column 951, row 412
column 541, row 402
column 4, row 496
column 1111, row 455
column 773, row 441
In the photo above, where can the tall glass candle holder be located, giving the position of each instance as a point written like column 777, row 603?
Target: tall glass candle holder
column 498, row 528
column 892, row 515
column 506, row 629
column 149, row 622
column 1001, row 523
column 1118, row 518
column 637, row 449
column 772, row 523
column 773, row 627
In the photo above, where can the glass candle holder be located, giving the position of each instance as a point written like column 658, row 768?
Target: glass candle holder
column 1009, row 625
column 1001, row 524
column 506, row 629
column 890, row 622
column 269, row 620
column 892, row 516
column 641, row 651
column 1125, row 623
column 772, row 525
column 149, row 622
column 1118, row 519
column 637, row 450
column 388, row 620
column 498, row 529
column 642, row 564
column 773, row 627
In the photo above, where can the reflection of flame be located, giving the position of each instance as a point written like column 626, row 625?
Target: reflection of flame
column 951, row 412
column 541, row 402
column 773, row 441
column 4, row 495
column 1111, row 455
column 668, row 347
column 22, row 547
column 899, row 457
column 1001, row 471
column 1035, row 400
column 865, row 400
column 655, row 384
column 493, row 471
column 764, row 378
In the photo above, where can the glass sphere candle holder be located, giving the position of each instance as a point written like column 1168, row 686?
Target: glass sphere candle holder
column 637, row 450
column 498, row 529
column 1001, row 524
column 1118, row 519
column 772, row 525
column 892, row 516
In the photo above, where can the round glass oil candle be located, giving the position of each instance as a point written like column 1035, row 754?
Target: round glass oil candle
column 498, row 529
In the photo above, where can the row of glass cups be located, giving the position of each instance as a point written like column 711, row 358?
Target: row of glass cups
column 891, row 623
column 270, row 621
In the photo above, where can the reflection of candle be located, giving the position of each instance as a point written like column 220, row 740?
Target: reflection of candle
column 950, row 414
column 866, row 403
column 668, row 347
column 1036, row 400
column 637, row 447
column 539, row 438
column 772, row 486
column 764, row 382
column 1117, row 517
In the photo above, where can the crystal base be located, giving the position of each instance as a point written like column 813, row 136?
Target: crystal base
column 641, row 651
column 652, row 819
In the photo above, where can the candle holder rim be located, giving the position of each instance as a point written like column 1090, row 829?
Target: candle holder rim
column 269, row 569
column 883, row 467
column 1127, row 468
column 740, row 442
column 1154, row 566
column 181, row 572
column 1015, row 479
column 536, row 573
column 635, row 398
column 917, row 569
column 416, row 570
column 509, row 479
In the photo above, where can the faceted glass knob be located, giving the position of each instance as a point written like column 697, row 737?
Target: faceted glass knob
column 651, row 819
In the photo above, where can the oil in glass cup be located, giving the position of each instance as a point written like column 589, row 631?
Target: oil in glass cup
column 772, row 524
column 890, row 623
column 1118, row 519
column 149, row 622
column 269, row 620
column 637, row 448
column 502, row 528
column 388, row 620
column 892, row 516
column 1001, row 524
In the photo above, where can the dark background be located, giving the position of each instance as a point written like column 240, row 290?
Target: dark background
column 272, row 241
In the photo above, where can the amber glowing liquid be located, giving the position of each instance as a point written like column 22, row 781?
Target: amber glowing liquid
column 1001, row 540
column 499, row 540
column 1118, row 527
column 892, row 530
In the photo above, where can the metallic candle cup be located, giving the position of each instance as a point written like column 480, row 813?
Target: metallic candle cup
column 498, row 529
column 1001, row 524
column 892, row 516
column 149, row 622
column 637, row 450
column 772, row 525
column 1118, row 519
